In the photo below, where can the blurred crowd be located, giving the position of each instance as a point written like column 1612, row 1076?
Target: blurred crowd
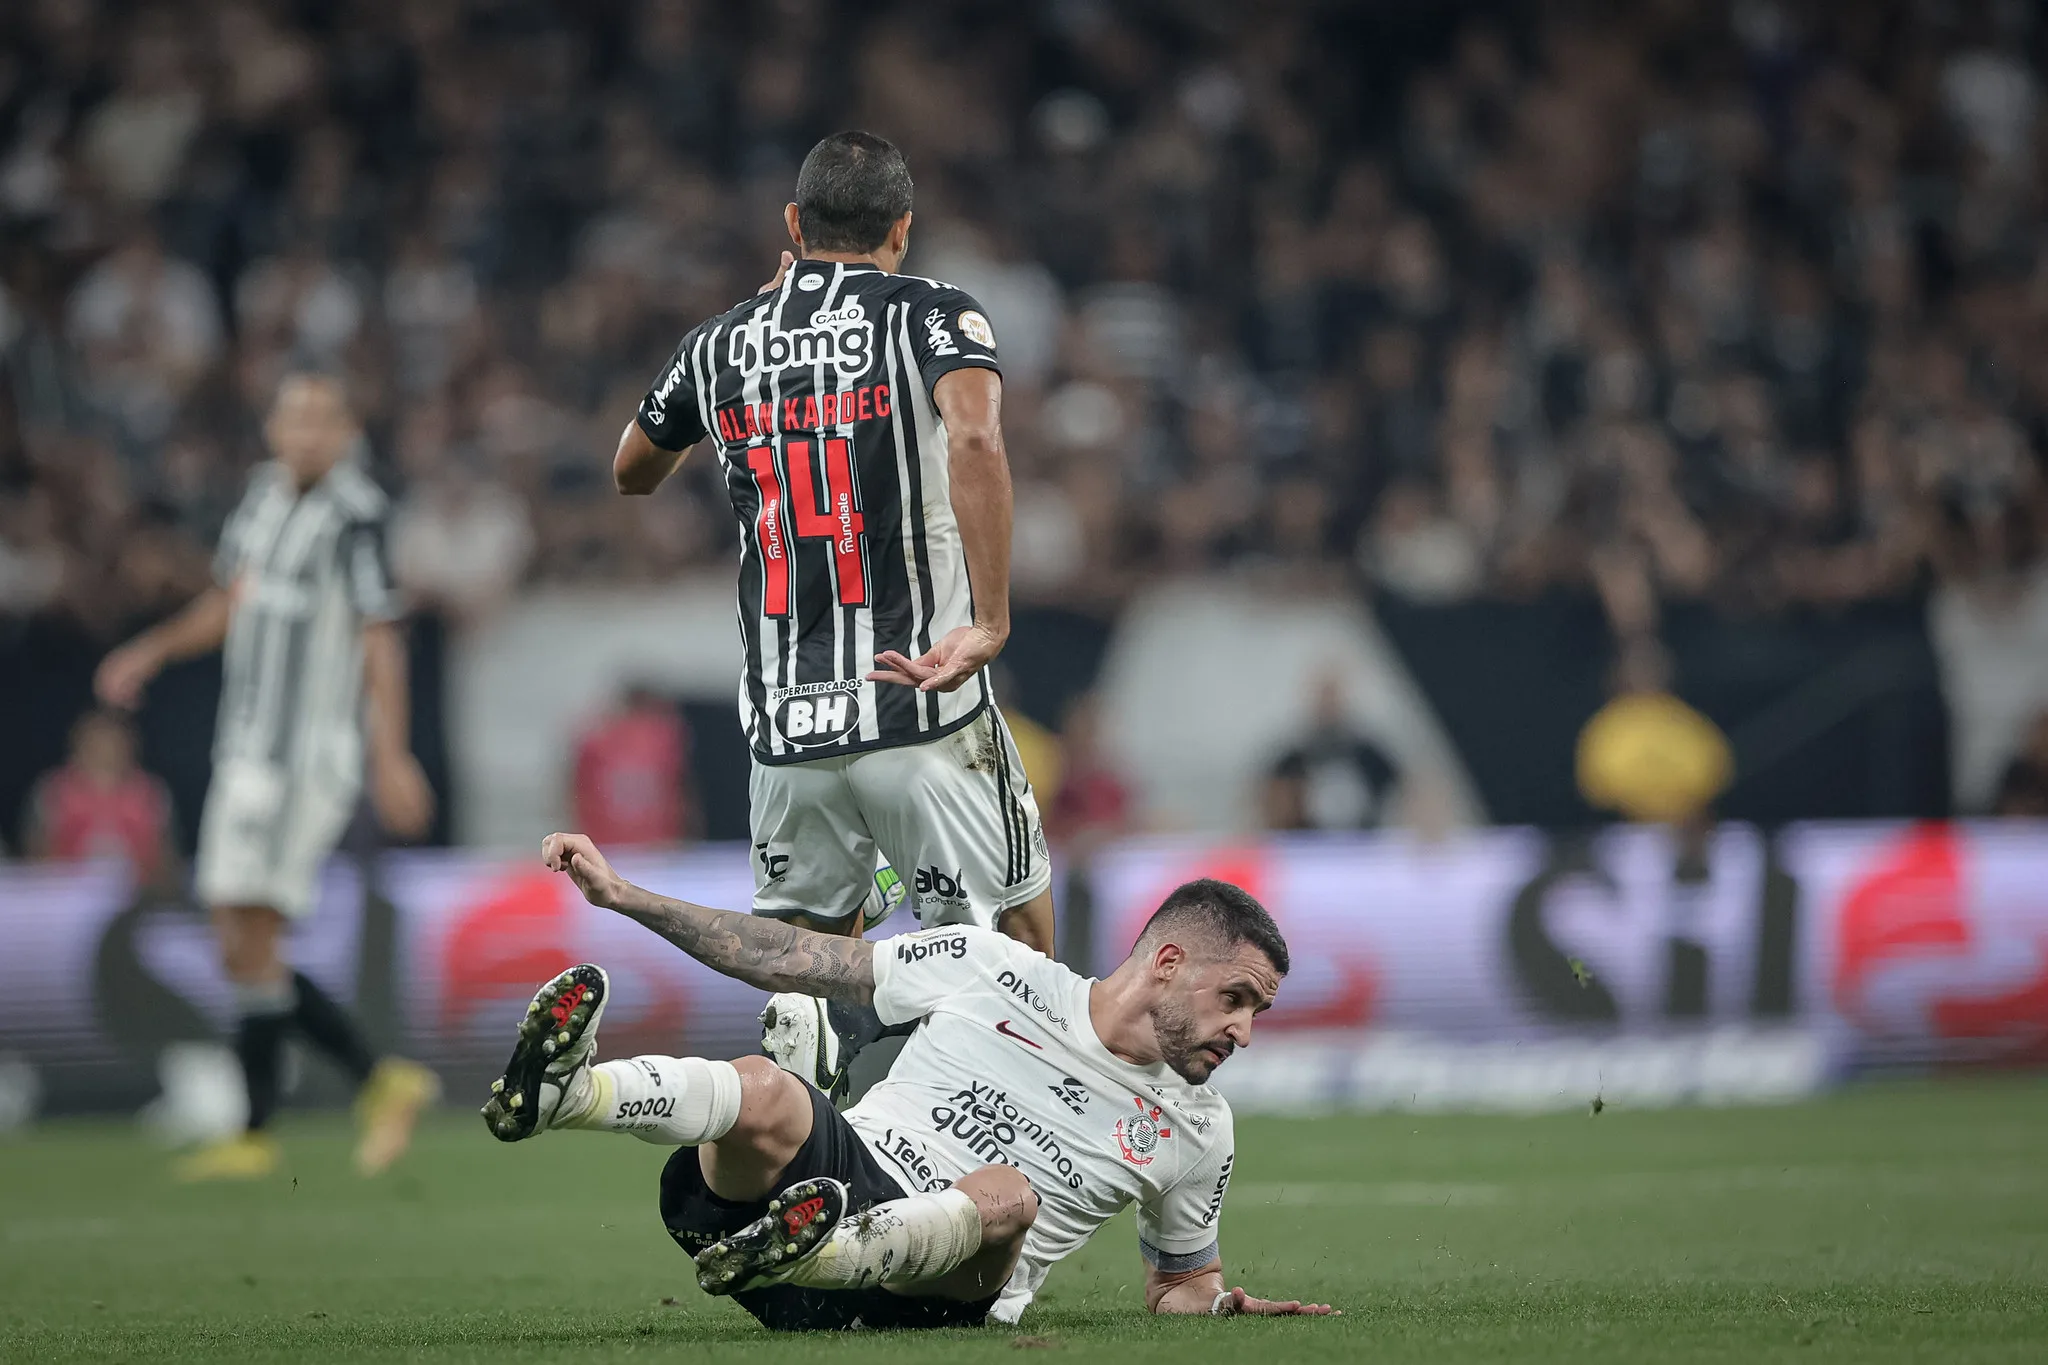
column 1743, row 302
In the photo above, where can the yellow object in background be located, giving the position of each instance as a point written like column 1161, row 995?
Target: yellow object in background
column 1652, row 758
column 1039, row 748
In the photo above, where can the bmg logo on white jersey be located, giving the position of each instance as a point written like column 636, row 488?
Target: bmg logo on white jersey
column 911, row 948
column 844, row 339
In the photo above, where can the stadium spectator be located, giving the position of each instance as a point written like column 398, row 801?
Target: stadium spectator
column 460, row 540
column 101, row 803
column 1662, row 303
column 1332, row 777
column 632, row 772
column 146, row 327
column 1093, row 802
column 2023, row 790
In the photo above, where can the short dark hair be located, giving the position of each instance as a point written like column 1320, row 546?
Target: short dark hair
column 851, row 190
column 305, row 369
column 1229, row 912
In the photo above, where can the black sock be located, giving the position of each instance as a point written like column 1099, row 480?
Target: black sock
column 328, row 1027
column 858, row 1026
column 259, row 1044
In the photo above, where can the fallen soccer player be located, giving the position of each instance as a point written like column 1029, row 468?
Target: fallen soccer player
column 1032, row 1106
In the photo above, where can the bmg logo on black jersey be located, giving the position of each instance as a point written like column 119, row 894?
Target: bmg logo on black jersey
column 844, row 339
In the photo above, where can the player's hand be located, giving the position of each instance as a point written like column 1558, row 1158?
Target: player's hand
column 1240, row 1302
column 402, row 796
column 123, row 674
column 944, row 667
column 577, row 856
column 780, row 270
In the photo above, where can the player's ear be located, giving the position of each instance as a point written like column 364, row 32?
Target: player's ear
column 791, row 221
column 1168, row 960
column 899, row 235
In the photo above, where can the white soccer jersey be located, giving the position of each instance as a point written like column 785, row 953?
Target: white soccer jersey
column 308, row 572
column 1008, row 1070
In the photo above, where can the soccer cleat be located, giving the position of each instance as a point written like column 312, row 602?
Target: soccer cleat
column 556, row 1041
column 246, row 1156
column 797, row 1034
column 387, row 1110
column 764, row 1251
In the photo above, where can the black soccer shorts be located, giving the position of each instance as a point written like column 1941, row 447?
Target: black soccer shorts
column 696, row 1218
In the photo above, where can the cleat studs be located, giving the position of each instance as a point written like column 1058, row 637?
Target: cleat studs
column 548, row 1048
column 517, row 1100
column 792, row 1248
column 498, row 1086
column 562, row 1037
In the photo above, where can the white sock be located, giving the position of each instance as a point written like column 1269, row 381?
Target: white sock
column 674, row 1101
column 900, row 1242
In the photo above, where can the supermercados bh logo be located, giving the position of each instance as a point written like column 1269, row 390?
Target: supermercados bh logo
column 843, row 339
column 814, row 714
column 1138, row 1135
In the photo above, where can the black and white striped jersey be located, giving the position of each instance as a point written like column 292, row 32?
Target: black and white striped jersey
column 307, row 571
column 818, row 395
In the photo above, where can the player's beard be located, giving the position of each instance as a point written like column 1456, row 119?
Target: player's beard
column 1181, row 1045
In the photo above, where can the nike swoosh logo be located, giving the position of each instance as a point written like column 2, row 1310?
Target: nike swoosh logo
column 1008, row 1032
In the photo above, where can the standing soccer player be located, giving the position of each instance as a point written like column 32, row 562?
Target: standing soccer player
column 304, row 605
column 856, row 414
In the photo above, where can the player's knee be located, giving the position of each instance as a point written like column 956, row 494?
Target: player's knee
column 774, row 1105
column 1008, row 1204
column 247, row 942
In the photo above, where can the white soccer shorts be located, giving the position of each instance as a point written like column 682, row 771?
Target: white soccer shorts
column 265, row 832
column 956, row 817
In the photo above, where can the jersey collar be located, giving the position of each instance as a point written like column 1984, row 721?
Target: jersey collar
column 849, row 266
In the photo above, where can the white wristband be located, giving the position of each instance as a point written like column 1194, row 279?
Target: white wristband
column 1216, row 1307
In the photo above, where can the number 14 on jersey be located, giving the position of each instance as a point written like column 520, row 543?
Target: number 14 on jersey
column 835, row 516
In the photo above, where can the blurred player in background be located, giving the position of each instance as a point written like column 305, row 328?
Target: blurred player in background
column 857, row 414
column 304, row 606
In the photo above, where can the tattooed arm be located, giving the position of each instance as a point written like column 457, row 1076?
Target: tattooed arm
column 760, row 952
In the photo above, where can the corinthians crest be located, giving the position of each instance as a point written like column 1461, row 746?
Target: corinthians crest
column 1137, row 1135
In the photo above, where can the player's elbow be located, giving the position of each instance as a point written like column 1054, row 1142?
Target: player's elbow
column 634, row 478
column 975, row 446
column 640, row 465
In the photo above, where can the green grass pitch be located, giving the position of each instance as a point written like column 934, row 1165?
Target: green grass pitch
column 1894, row 1223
